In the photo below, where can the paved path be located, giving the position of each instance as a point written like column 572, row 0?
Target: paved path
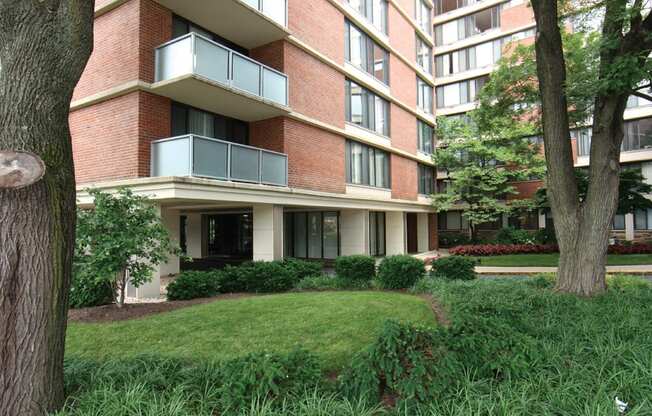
column 634, row 269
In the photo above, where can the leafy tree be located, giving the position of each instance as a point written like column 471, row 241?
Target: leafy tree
column 121, row 240
column 44, row 46
column 632, row 189
column 483, row 155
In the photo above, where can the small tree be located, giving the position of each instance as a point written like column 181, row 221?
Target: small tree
column 121, row 239
column 483, row 155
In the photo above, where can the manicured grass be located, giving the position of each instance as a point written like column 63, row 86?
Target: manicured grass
column 334, row 325
column 551, row 260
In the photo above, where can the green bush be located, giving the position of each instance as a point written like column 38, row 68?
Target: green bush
column 260, row 277
column 303, row 268
column 453, row 239
column 325, row 282
column 454, row 268
column 86, row 291
column 194, row 284
column 400, row 272
column 545, row 236
column 355, row 268
column 404, row 362
column 513, row 236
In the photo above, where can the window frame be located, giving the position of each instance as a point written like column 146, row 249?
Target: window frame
column 422, row 87
column 426, row 186
column 368, row 172
column 370, row 46
column 425, row 144
column 368, row 109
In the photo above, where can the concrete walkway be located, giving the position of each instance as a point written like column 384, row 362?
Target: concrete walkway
column 645, row 269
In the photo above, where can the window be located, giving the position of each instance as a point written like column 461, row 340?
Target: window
column 377, row 234
column 583, row 138
column 423, row 16
column 374, row 11
column 314, row 235
column 366, row 109
column 619, row 222
column 424, row 54
column 189, row 120
column 643, row 219
column 425, row 137
column 478, row 56
column 363, row 52
column 445, row 6
column 181, row 26
column 424, row 96
column 451, row 220
column 366, row 165
column 467, row 26
column 459, row 92
column 426, row 180
column 638, row 135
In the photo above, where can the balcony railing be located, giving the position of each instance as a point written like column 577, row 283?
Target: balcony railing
column 197, row 55
column 274, row 9
column 199, row 156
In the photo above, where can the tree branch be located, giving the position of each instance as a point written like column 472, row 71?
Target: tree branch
column 642, row 95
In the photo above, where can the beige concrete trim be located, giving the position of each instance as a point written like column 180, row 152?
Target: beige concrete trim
column 482, row 38
column 458, row 109
column 117, row 91
column 362, row 81
column 359, row 20
column 189, row 190
column 463, row 76
column 351, row 134
column 465, row 11
column 114, row 4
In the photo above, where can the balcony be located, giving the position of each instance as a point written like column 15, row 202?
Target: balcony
column 250, row 23
column 199, row 72
column 199, row 156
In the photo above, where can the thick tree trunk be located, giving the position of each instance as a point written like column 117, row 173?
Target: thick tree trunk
column 44, row 47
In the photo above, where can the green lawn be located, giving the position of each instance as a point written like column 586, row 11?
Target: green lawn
column 551, row 260
column 334, row 325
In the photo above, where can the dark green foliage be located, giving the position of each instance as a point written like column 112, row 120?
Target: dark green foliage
column 400, row 272
column 87, row 291
column 355, row 268
column 303, row 268
column 545, row 236
column 266, row 277
column 511, row 235
column 194, row 284
column 454, row 268
column 403, row 362
column 325, row 282
column 454, row 239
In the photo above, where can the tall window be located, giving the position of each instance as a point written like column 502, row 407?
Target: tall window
column 445, row 6
column 181, row 26
column 312, row 235
column 366, row 165
column 363, row 52
column 467, row 26
column 425, row 137
column 638, row 135
column 366, row 109
column 189, row 120
column 478, row 56
column 377, row 242
column 451, row 220
column 424, row 54
column 583, row 138
column 459, row 92
column 423, row 15
column 374, row 11
column 426, row 180
column 643, row 219
column 424, row 96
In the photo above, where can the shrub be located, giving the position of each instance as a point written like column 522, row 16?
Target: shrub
column 303, row 268
column 402, row 362
column 503, row 249
column 325, row 282
column 545, row 236
column 266, row 277
column 454, row 268
column 194, row 284
column 400, row 272
column 513, row 236
column 453, row 239
column 86, row 291
column 630, row 249
column 355, row 268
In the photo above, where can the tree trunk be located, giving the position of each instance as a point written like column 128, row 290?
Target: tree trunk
column 44, row 48
column 122, row 287
column 582, row 228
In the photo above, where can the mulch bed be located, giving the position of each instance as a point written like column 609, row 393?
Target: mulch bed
column 111, row 313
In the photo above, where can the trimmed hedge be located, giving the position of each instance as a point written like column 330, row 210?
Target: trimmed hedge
column 503, row 249
column 454, row 268
column 194, row 284
column 400, row 272
column 86, row 291
column 355, row 268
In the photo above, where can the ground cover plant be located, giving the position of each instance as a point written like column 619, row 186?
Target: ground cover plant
column 552, row 260
column 503, row 249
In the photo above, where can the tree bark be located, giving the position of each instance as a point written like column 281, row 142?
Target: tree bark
column 44, row 46
column 583, row 227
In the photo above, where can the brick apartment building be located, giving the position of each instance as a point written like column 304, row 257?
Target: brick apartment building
column 470, row 37
column 264, row 128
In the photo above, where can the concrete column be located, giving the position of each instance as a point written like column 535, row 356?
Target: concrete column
column 268, row 232
column 396, row 232
column 629, row 227
column 171, row 220
column 193, row 236
column 354, row 232
column 423, row 235
column 542, row 219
